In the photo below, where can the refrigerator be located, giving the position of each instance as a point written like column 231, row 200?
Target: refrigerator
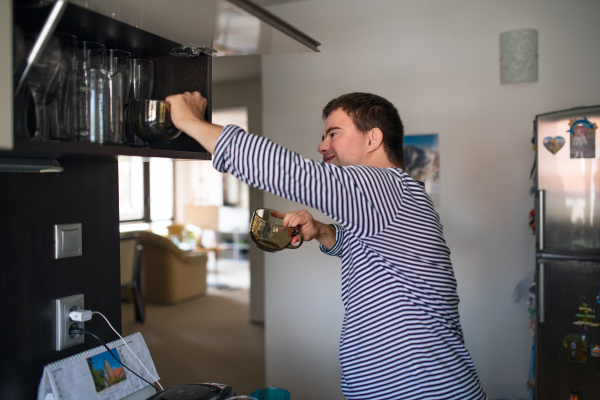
column 567, row 338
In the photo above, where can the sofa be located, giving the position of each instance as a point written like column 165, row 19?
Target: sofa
column 172, row 275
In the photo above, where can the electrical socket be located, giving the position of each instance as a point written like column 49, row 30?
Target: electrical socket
column 63, row 307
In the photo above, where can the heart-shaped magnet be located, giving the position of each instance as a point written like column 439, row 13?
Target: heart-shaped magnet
column 554, row 144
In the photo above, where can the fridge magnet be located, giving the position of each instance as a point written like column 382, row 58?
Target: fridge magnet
column 583, row 138
column 573, row 395
column 586, row 316
column 532, row 221
column 575, row 346
column 554, row 144
column 422, row 162
column 595, row 350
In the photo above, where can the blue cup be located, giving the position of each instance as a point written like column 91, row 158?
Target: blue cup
column 271, row 394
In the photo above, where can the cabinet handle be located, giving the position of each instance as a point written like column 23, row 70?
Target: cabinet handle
column 56, row 13
column 541, row 215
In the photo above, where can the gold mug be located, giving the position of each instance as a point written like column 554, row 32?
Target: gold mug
column 268, row 233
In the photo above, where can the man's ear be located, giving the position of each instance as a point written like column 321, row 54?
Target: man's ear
column 375, row 139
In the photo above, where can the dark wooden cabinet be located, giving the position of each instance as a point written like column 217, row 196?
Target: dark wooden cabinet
column 85, row 192
column 31, row 204
column 172, row 75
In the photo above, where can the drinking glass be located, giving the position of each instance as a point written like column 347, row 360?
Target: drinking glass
column 142, row 79
column 20, row 51
column 142, row 86
column 100, row 105
column 119, row 61
column 56, row 101
column 117, row 65
column 79, row 90
column 40, row 81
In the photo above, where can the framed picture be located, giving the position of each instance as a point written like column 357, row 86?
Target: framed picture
column 422, row 162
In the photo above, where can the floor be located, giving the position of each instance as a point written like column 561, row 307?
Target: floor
column 209, row 338
column 233, row 273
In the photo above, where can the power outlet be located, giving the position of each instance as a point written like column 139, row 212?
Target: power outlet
column 63, row 323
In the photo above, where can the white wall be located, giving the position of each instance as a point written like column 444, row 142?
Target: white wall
column 246, row 93
column 438, row 62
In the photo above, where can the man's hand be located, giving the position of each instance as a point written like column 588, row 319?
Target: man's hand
column 187, row 114
column 187, row 108
column 309, row 227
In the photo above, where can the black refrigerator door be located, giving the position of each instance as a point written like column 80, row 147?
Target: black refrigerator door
column 560, row 365
column 568, row 182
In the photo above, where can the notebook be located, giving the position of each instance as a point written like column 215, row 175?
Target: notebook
column 96, row 375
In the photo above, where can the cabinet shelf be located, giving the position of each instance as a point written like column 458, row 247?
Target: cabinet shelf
column 71, row 150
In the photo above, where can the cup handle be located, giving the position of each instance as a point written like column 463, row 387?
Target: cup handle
column 290, row 246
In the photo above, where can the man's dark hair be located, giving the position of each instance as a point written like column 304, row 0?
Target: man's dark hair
column 370, row 111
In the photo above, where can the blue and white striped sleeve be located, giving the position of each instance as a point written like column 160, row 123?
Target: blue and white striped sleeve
column 336, row 250
column 362, row 199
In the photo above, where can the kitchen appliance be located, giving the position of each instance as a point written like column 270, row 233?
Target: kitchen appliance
column 195, row 391
column 568, row 254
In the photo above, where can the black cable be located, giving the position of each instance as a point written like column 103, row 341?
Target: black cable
column 81, row 331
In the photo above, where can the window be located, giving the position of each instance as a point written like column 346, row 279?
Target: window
column 131, row 189
column 146, row 190
column 161, row 190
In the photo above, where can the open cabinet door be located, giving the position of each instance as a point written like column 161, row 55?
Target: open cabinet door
column 6, row 76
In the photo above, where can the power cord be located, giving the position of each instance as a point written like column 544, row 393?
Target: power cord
column 121, row 337
column 86, row 315
column 79, row 331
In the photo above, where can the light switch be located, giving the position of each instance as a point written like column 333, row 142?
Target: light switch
column 67, row 240
column 71, row 241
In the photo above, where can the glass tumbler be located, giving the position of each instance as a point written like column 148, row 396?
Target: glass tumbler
column 79, row 90
column 142, row 87
column 56, row 102
column 142, row 79
column 119, row 68
column 20, row 52
column 117, row 65
column 119, row 62
column 41, row 82
column 106, row 107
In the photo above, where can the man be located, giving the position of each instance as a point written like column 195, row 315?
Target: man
column 401, row 337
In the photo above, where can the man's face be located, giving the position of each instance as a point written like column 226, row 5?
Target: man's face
column 342, row 143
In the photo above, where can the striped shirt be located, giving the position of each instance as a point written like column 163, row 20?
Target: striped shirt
column 401, row 337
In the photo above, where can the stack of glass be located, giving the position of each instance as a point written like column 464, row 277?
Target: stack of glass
column 80, row 90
